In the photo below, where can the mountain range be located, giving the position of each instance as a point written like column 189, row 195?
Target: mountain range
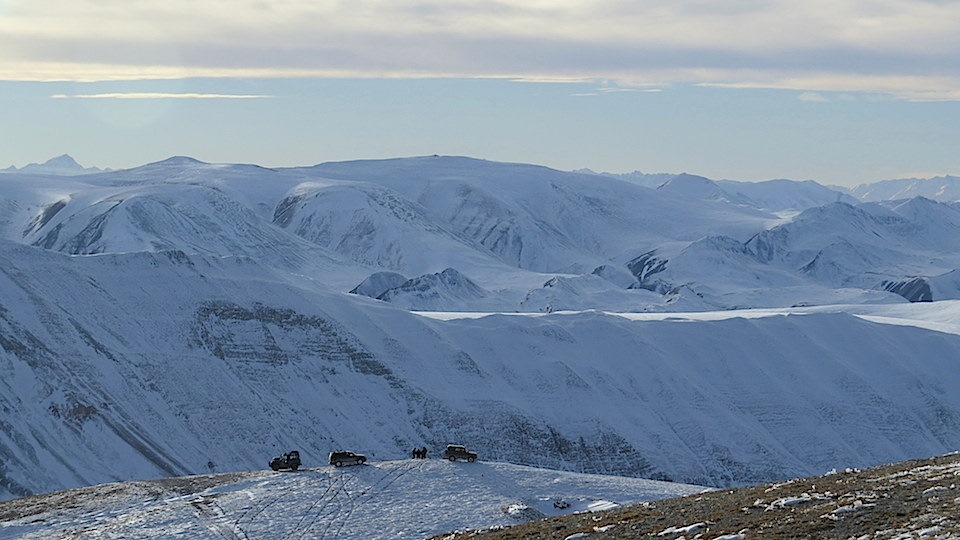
column 185, row 317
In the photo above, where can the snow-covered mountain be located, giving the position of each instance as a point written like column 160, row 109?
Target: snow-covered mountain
column 698, row 187
column 939, row 188
column 185, row 317
column 59, row 166
column 784, row 195
column 843, row 245
column 543, row 220
column 778, row 196
column 847, row 253
column 650, row 180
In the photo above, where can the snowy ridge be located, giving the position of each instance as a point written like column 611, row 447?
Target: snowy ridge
column 940, row 188
column 384, row 499
column 785, row 195
column 778, row 196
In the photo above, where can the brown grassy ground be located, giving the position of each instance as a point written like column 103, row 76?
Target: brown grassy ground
column 912, row 499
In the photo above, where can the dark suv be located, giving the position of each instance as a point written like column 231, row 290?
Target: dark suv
column 342, row 457
column 454, row 452
column 290, row 460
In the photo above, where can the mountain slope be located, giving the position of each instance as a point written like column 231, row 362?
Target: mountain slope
column 108, row 370
column 843, row 245
column 377, row 227
column 785, row 195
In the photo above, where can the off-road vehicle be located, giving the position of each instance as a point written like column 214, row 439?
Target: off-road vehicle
column 290, row 460
column 342, row 457
column 454, row 452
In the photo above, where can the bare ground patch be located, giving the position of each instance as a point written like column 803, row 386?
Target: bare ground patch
column 912, row 499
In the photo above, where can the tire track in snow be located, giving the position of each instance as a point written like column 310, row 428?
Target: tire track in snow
column 382, row 483
column 348, row 502
column 213, row 520
column 321, row 508
column 249, row 516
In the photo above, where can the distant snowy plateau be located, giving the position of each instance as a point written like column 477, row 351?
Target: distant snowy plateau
column 184, row 318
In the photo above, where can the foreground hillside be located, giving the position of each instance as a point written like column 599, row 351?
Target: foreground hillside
column 907, row 500
column 388, row 499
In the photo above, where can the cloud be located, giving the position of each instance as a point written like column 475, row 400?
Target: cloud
column 608, row 90
column 155, row 95
column 812, row 45
column 923, row 88
column 813, row 97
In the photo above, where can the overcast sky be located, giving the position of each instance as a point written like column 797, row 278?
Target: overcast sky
column 841, row 91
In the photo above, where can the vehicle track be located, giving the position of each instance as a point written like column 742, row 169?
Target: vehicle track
column 211, row 514
column 321, row 508
column 348, row 502
column 249, row 516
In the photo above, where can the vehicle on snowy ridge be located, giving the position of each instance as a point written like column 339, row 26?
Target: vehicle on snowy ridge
column 290, row 460
column 342, row 457
column 454, row 452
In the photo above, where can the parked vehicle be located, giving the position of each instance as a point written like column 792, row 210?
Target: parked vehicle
column 290, row 460
column 342, row 457
column 454, row 452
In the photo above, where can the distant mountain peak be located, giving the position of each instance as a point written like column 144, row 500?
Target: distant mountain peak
column 64, row 160
column 686, row 180
column 179, row 161
column 62, row 165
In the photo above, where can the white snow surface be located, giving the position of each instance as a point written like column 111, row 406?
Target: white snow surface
column 382, row 499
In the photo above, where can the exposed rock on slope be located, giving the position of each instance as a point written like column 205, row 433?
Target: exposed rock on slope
column 379, row 283
column 446, row 290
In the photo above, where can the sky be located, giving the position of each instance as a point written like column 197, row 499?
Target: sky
column 839, row 91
